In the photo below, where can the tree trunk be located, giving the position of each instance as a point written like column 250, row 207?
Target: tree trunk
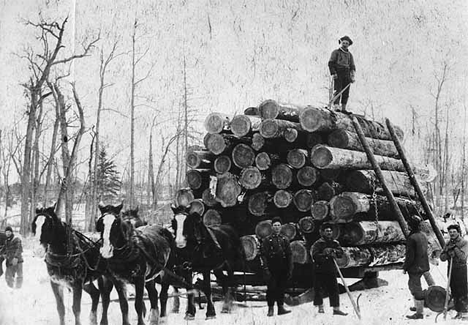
column 251, row 178
column 282, row 176
column 289, row 230
column 283, row 199
column 370, row 232
column 350, row 140
column 307, row 176
column 303, row 200
column 227, row 189
column 243, row 156
column 216, row 123
column 270, row 129
column 243, row 125
column 388, row 254
column 270, row 109
column 184, row 196
column 320, row 210
column 297, row 158
column 299, row 251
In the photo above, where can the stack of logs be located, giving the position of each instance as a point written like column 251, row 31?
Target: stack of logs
column 306, row 165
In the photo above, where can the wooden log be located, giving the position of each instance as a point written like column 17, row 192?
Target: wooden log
column 216, row 123
column 314, row 139
column 387, row 254
column 243, row 125
column 251, row 178
column 198, row 206
column 219, row 143
column 347, row 204
column 270, row 109
column 297, row 158
column 327, row 190
column 258, row 141
column 282, row 176
column 252, row 110
column 212, row 217
column 289, row 230
column 320, row 210
column 198, row 178
column 208, row 198
column 354, row 257
column 251, row 246
column 199, row 159
column 243, row 156
column 330, row 174
column 278, row 146
column 307, row 176
column 306, row 225
column 303, row 200
column 323, row 120
column 227, row 189
column 263, row 229
column 349, row 140
column 283, row 198
column 299, row 251
column 291, row 135
column 365, row 181
column 277, row 128
column 258, row 203
column 183, row 197
column 264, row 160
column 222, row 164
column 369, row 232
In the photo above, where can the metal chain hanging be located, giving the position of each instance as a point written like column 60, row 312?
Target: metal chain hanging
column 374, row 200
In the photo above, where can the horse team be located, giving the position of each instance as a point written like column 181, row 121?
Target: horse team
column 131, row 252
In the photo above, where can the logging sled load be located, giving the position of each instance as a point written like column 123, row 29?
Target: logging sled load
column 308, row 166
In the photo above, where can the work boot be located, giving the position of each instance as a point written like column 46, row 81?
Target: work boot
column 271, row 311
column 321, row 310
column 419, row 304
column 338, row 312
column 282, row 310
column 343, row 108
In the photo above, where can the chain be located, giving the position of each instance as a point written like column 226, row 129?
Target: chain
column 374, row 200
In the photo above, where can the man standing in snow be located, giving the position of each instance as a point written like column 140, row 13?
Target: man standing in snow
column 456, row 251
column 416, row 264
column 342, row 70
column 324, row 250
column 276, row 260
column 12, row 251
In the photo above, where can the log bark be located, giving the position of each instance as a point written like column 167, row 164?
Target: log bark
column 183, row 197
column 283, row 198
column 325, row 157
column 282, row 176
column 306, row 225
column 349, row 140
column 323, row 120
column 243, row 156
column 216, row 123
column 263, row 229
column 265, row 160
column 299, row 251
column 222, row 164
column 227, row 189
column 297, row 158
column 270, row 129
column 303, row 200
column 259, row 203
column 219, row 143
column 198, row 206
column 320, row 210
column 251, row 246
column 270, row 109
column 347, row 204
column 314, row 139
column 307, row 176
column 327, row 190
column 243, row 125
column 251, row 178
column 330, row 174
column 208, row 198
column 199, row 159
column 387, row 254
column 354, row 257
column 198, row 178
column 370, row 232
column 212, row 217
column 289, row 230
column 365, row 181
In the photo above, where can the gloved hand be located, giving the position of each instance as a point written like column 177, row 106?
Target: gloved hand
column 335, row 76
column 329, row 252
column 14, row 261
column 353, row 80
column 451, row 253
column 266, row 275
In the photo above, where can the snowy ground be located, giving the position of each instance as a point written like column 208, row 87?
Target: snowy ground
column 35, row 304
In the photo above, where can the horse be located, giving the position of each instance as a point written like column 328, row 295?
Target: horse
column 73, row 260
column 2, row 244
column 131, row 215
column 205, row 249
column 137, row 256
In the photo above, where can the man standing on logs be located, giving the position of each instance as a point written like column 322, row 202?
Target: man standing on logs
column 342, row 70
column 416, row 264
column 277, row 264
column 456, row 251
column 324, row 251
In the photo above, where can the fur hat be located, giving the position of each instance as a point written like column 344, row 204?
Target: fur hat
column 454, row 226
column 345, row 38
column 414, row 222
column 276, row 219
column 8, row 228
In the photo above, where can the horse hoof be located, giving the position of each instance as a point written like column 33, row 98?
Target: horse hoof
column 189, row 317
column 225, row 311
column 210, row 317
column 175, row 311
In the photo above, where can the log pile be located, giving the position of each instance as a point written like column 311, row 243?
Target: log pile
column 306, row 165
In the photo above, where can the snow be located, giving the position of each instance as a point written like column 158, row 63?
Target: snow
column 35, row 304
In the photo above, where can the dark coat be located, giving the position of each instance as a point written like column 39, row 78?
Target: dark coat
column 460, row 250
column 276, row 253
column 416, row 260
column 13, row 248
column 340, row 61
column 323, row 258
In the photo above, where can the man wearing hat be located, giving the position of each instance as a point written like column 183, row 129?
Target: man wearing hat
column 416, row 264
column 456, row 252
column 342, row 70
column 277, row 264
column 12, row 252
column 324, row 250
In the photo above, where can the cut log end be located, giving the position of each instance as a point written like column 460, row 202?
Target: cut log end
column 227, row 190
column 243, row 156
column 299, row 251
column 208, row 198
column 297, row 158
column 258, row 203
column 282, row 198
column 264, row 229
column 307, row 176
column 321, row 157
column 342, row 207
column 215, row 143
column 251, row 246
column 263, row 161
column 250, row 178
column 269, row 129
column 212, row 217
column 269, row 109
column 282, row 176
column 303, row 199
column 319, row 210
column 289, row 230
column 184, row 197
column 222, row 164
column 215, row 123
column 240, row 125
column 291, row 135
column 197, row 206
column 306, row 225
column 258, row 141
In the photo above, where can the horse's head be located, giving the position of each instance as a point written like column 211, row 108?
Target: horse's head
column 44, row 227
column 114, row 231
column 186, row 226
column 131, row 215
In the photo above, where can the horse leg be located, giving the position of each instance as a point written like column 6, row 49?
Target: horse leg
column 123, row 301
column 190, row 311
column 105, row 288
column 76, row 307
column 163, row 297
column 139, row 303
column 176, row 301
column 210, row 310
column 223, row 281
column 58, row 293
column 94, row 294
column 153, row 298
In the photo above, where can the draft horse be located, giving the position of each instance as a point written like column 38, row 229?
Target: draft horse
column 137, row 256
column 131, row 215
column 203, row 249
column 73, row 260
